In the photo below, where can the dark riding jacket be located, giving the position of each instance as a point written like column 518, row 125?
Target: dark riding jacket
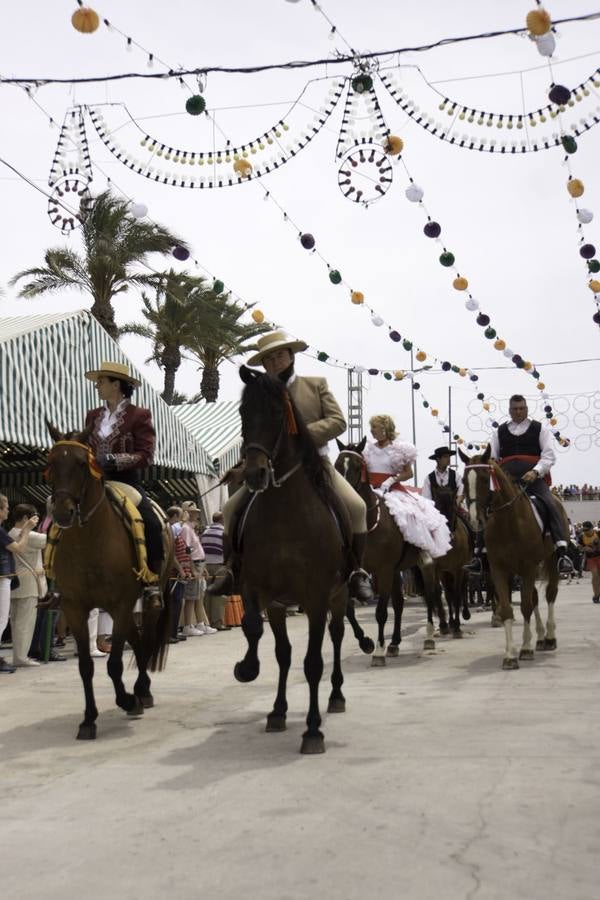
column 131, row 441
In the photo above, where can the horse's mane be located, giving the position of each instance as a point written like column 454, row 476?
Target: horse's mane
column 273, row 391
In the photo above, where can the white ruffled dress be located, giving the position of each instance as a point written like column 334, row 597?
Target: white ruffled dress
column 417, row 518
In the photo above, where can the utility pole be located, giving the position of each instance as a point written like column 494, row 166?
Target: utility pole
column 355, row 407
column 450, row 417
column 414, row 425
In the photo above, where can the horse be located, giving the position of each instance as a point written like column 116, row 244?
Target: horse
column 293, row 548
column 386, row 555
column 450, row 572
column 95, row 566
column 515, row 546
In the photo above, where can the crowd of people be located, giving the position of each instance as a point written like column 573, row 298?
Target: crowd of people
column 577, row 492
column 198, row 555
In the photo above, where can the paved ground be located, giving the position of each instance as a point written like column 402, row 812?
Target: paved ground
column 446, row 777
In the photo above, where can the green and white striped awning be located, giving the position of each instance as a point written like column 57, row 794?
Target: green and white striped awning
column 42, row 365
column 218, row 428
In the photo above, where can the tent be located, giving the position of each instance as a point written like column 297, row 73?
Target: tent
column 42, row 365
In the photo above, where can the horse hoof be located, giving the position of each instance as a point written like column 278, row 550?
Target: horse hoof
column 457, row 634
column 275, row 723
column 444, row 628
column 377, row 661
column 313, row 743
column 549, row 644
column 366, row 645
column 428, row 644
column 526, row 654
column 86, row 732
column 539, row 645
column 147, row 701
column 336, row 705
column 393, row 650
column 137, row 709
column 245, row 673
column 466, row 613
column 510, row 662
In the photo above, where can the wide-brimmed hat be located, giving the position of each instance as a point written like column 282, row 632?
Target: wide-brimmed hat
column 189, row 506
column 275, row 340
column 113, row 370
column 442, row 451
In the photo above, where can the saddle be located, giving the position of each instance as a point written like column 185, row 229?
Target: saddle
column 124, row 499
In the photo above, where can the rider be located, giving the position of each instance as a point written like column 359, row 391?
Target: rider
column 389, row 462
column 325, row 421
column 443, row 480
column 123, row 439
column 524, row 451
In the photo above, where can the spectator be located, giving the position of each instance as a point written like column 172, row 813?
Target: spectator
column 212, row 542
column 32, row 584
column 589, row 540
column 182, row 572
column 194, row 615
column 8, row 546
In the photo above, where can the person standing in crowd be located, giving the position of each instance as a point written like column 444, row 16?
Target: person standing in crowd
column 194, row 615
column 589, row 541
column 212, row 543
column 182, row 572
column 32, row 585
column 8, row 548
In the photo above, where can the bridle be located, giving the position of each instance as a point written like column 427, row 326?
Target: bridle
column 364, row 479
column 272, row 480
column 489, row 511
column 93, row 471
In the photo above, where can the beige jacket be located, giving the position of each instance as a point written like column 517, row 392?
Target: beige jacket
column 29, row 585
column 318, row 408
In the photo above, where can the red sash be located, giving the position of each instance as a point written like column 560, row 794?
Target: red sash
column 530, row 459
column 376, row 479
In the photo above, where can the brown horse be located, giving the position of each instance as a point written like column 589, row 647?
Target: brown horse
column 94, row 566
column 450, row 567
column 293, row 549
column 515, row 546
column 387, row 555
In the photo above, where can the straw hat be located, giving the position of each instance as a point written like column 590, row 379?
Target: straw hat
column 113, row 370
column 189, row 506
column 276, row 340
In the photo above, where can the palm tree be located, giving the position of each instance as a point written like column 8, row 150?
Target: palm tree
column 231, row 338
column 115, row 244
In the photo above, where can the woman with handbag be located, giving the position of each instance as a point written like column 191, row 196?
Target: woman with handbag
column 32, row 585
column 8, row 547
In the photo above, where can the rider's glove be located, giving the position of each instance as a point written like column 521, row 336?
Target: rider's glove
column 108, row 463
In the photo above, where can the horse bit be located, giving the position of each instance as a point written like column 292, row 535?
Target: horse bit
column 272, row 480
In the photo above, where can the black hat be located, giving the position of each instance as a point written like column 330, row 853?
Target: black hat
column 442, row 451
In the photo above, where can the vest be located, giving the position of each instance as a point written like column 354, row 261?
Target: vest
column 519, row 452
column 444, row 497
column 435, row 487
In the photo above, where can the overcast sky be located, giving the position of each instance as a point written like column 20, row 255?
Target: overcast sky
column 509, row 221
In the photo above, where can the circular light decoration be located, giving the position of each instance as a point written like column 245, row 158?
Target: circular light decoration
column 377, row 321
column 593, row 265
column 546, row 44
column 460, row 283
column 139, row 210
column 393, row 145
column 258, row 316
column 357, row 297
column 559, row 94
column 362, row 83
column 414, row 193
column 585, row 216
column 85, row 20
column 432, row 229
column 575, row 187
column 195, row 105
column 73, row 190
column 334, row 276
column 538, row 21
column 447, row 259
column 588, row 251
column 365, row 174
column 569, row 143
column 181, row 253
column 307, row 241
column 243, row 167
column 218, row 286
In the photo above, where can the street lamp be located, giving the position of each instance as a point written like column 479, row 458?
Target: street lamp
column 412, row 403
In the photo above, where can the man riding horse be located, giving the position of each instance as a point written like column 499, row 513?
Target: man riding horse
column 123, row 439
column 524, row 450
column 325, row 421
column 444, row 485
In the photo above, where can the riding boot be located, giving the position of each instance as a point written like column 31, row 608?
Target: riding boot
column 563, row 561
column 152, row 595
column 226, row 579
column 476, row 564
column 359, row 582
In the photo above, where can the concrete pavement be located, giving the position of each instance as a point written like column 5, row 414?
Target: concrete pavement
column 446, row 777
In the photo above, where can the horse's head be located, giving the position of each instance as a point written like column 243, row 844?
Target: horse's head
column 350, row 462
column 267, row 417
column 70, row 467
column 477, row 486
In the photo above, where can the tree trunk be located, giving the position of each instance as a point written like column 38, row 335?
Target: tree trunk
column 209, row 386
column 103, row 312
column 169, row 386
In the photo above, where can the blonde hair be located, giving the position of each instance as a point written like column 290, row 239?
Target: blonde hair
column 385, row 422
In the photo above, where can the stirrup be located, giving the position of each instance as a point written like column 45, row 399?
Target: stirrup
column 359, row 583
column 223, row 584
column 475, row 566
column 564, row 566
column 152, row 597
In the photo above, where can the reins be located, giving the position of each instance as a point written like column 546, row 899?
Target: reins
column 520, row 489
column 94, row 471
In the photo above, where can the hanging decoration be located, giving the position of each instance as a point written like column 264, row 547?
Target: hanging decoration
column 513, row 133
column 84, row 19
column 70, row 172
column 220, row 167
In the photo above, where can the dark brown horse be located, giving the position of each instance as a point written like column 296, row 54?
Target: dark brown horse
column 515, row 546
column 386, row 556
column 450, row 567
column 293, row 550
column 94, row 566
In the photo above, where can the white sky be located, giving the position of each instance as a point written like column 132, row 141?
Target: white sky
column 509, row 221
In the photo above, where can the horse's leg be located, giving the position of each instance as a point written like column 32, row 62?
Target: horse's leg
column 283, row 654
column 438, row 601
column 77, row 619
column 337, row 701
column 528, row 603
column 381, row 614
column 398, row 607
column 504, row 611
column 129, row 702
column 432, row 598
column 141, row 688
column 551, row 595
column 364, row 642
column 312, row 739
column 248, row 668
column 453, row 589
column 540, row 630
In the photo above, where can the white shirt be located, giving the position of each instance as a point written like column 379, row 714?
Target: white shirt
column 108, row 420
column 547, row 455
column 442, row 479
